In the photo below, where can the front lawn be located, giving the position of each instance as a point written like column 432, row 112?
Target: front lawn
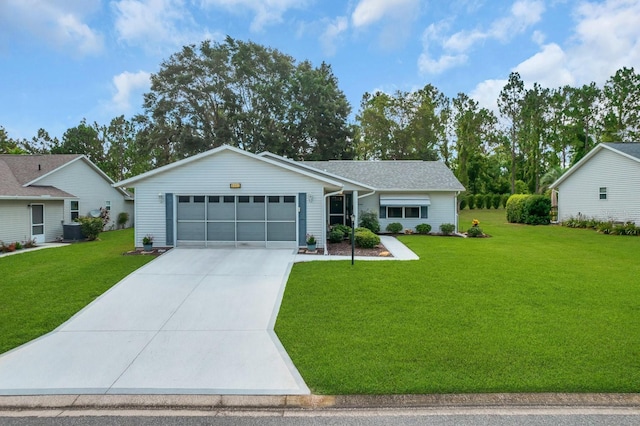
column 532, row 309
column 39, row 290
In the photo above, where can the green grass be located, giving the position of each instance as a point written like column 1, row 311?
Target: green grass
column 39, row 290
column 532, row 309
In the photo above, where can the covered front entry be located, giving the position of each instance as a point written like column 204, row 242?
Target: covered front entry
column 262, row 220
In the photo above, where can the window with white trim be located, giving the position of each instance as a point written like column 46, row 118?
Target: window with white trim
column 75, row 210
column 603, row 192
column 407, row 212
column 107, row 205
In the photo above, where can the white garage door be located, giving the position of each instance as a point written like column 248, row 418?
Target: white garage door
column 209, row 220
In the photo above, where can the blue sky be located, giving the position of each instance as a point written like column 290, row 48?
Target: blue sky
column 64, row 60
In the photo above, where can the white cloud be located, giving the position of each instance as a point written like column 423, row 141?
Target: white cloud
column 523, row 14
column 487, row 92
column 606, row 37
column 127, row 85
column 396, row 17
column 332, row 32
column 368, row 12
column 267, row 12
column 547, row 67
column 156, row 25
column 60, row 24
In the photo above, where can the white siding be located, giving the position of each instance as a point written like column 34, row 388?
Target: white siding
column 16, row 220
column 442, row 210
column 92, row 190
column 212, row 176
column 579, row 193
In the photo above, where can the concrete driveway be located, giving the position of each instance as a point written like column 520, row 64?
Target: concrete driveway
column 192, row 321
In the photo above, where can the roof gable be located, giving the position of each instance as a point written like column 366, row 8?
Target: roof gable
column 628, row 150
column 28, row 170
column 215, row 151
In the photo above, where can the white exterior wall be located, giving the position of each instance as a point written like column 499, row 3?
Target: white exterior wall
column 442, row 210
column 212, row 176
column 16, row 220
column 92, row 190
column 580, row 192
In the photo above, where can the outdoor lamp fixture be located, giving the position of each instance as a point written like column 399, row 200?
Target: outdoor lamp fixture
column 160, row 196
column 353, row 240
column 235, row 185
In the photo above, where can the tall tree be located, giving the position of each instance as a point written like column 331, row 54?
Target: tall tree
column 474, row 129
column 246, row 95
column 82, row 139
column 583, row 109
column 621, row 121
column 510, row 103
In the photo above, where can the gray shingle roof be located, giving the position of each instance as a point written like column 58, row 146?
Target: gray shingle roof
column 632, row 149
column 394, row 175
column 11, row 186
column 27, row 168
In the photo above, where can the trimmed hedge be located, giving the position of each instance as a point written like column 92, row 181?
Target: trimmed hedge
column 447, row 228
column 336, row 235
column 364, row 238
column 529, row 209
column 537, row 210
column 423, row 228
column 394, row 227
column 515, row 208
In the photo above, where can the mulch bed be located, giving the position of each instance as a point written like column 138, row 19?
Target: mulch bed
column 344, row 249
column 141, row 252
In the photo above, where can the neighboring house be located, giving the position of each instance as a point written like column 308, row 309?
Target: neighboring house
column 605, row 184
column 41, row 193
column 230, row 196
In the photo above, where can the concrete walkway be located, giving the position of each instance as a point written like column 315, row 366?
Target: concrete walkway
column 191, row 321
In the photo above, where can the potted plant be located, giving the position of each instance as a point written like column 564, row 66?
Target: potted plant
column 311, row 242
column 147, row 242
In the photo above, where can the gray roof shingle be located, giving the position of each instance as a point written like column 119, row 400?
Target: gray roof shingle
column 405, row 175
column 632, row 149
column 18, row 170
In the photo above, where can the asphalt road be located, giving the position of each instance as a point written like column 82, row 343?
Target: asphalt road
column 436, row 417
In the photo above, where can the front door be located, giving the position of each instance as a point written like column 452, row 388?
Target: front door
column 340, row 209
column 37, row 222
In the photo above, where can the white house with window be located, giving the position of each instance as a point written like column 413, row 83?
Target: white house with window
column 39, row 194
column 605, row 185
column 227, row 196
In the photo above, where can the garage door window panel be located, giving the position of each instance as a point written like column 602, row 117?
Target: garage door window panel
column 191, row 231
column 281, row 231
column 250, row 210
column 190, row 210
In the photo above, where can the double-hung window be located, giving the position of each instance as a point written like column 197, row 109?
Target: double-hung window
column 75, row 210
column 404, row 212
column 603, row 192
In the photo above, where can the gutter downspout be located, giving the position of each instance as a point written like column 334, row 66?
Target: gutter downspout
column 455, row 200
column 324, row 219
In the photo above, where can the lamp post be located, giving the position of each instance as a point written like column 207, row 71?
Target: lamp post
column 353, row 239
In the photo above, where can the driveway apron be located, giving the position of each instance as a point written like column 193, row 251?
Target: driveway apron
column 192, row 321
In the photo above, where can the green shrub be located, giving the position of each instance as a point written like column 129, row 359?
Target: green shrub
column 475, row 232
column 447, row 228
column 336, row 235
column 479, row 201
column 18, row 245
column 463, row 203
column 537, row 210
column 605, row 227
column 91, row 226
column 364, row 238
column 521, row 187
column 495, row 201
column 503, row 200
column 346, row 230
column 515, row 208
column 123, row 218
column 423, row 228
column 471, row 200
column 630, row 228
column 488, row 198
column 369, row 220
column 394, row 227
